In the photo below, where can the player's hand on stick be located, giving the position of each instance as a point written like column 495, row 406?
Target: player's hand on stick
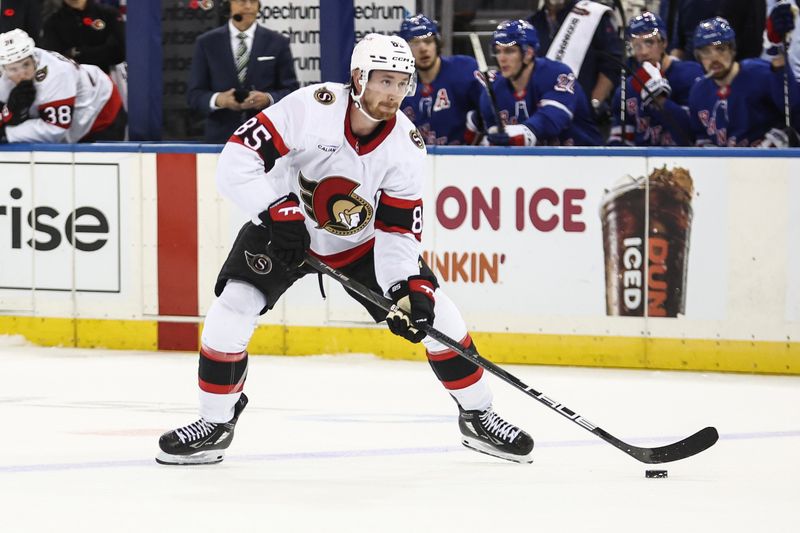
column 780, row 22
column 415, row 301
column 289, row 238
column 20, row 100
column 650, row 83
column 515, row 135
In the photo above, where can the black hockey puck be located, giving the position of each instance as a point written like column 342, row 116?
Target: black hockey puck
column 655, row 473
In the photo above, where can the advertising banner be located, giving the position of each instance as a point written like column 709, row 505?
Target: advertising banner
column 575, row 237
column 60, row 227
column 654, row 262
column 299, row 21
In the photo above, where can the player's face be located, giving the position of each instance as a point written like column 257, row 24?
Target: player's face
column 248, row 9
column 384, row 92
column 424, row 50
column 717, row 59
column 650, row 48
column 21, row 70
column 509, row 59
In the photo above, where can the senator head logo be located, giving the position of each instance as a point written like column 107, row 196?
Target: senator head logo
column 333, row 204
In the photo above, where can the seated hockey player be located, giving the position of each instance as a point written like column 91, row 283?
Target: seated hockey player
column 47, row 98
column 448, row 87
column 538, row 99
column 657, row 97
column 739, row 103
column 336, row 171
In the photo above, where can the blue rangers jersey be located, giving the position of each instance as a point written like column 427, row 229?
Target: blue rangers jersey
column 552, row 105
column 647, row 126
column 741, row 113
column 439, row 109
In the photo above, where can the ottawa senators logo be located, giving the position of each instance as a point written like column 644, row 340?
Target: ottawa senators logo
column 324, row 96
column 261, row 264
column 333, row 205
column 98, row 24
column 416, row 138
column 41, row 74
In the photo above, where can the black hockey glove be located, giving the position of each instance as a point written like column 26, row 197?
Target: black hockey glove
column 20, row 100
column 289, row 238
column 415, row 301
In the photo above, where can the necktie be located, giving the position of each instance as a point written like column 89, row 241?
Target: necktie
column 241, row 57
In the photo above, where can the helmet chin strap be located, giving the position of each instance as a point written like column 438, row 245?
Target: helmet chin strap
column 357, row 103
column 357, row 100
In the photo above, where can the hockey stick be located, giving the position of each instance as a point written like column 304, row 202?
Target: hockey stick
column 702, row 440
column 484, row 69
column 793, row 137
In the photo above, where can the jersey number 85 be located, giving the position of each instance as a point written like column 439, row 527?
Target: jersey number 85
column 252, row 133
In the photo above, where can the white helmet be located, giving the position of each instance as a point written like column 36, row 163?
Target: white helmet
column 382, row 52
column 15, row 45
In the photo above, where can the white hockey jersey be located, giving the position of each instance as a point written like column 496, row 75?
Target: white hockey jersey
column 71, row 100
column 354, row 196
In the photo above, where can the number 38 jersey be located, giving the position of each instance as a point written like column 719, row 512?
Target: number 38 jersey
column 356, row 194
column 71, row 101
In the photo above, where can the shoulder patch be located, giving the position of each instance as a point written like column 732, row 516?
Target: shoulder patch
column 416, row 138
column 324, row 96
column 41, row 74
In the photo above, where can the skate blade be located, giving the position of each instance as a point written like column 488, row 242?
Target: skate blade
column 209, row 457
column 480, row 446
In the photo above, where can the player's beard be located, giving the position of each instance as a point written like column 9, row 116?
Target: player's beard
column 720, row 73
column 380, row 109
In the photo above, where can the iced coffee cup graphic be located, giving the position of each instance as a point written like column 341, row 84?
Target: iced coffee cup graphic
column 646, row 243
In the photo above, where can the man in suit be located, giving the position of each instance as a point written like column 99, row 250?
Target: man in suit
column 237, row 70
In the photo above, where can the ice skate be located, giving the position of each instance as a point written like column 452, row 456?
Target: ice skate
column 199, row 443
column 486, row 432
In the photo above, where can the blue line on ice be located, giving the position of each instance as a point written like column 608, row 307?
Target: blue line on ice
column 337, row 454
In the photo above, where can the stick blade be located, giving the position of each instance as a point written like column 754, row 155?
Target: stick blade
column 691, row 445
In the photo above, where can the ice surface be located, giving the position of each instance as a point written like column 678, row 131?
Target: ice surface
column 360, row 444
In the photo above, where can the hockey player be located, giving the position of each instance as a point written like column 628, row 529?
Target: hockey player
column 336, row 171
column 448, row 87
column 657, row 97
column 47, row 98
column 738, row 104
column 537, row 98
